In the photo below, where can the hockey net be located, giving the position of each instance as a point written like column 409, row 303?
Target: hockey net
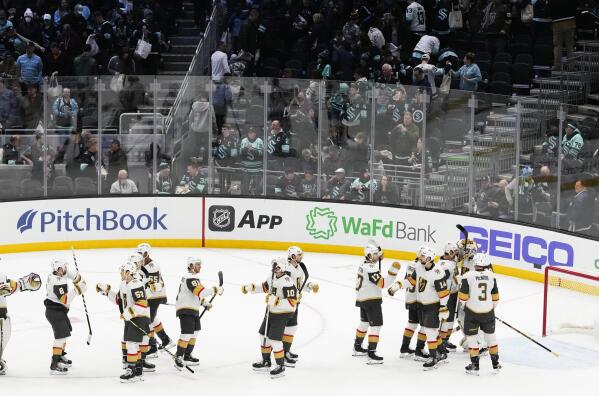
column 570, row 303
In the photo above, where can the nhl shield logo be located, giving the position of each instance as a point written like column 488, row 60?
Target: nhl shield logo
column 221, row 218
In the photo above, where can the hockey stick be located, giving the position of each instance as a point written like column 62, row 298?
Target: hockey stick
column 89, row 326
column 526, row 336
column 164, row 349
column 272, row 279
column 306, row 275
column 220, row 283
column 463, row 230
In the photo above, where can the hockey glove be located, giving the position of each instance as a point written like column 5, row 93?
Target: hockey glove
column 313, row 287
column 218, row 290
column 206, row 304
column 80, row 286
column 245, row 289
column 394, row 269
column 31, row 282
column 103, row 289
column 443, row 313
column 128, row 314
column 394, row 288
column 5, row 289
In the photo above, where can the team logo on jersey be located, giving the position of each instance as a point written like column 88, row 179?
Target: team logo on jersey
column 321, row 223
column 418, row 116
column 25, row 222
column 221, row 218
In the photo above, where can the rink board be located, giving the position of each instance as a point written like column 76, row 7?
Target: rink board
column 318, row 226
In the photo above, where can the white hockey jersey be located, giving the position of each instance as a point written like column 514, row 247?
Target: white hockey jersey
column 431, row 287
column 479, row 292
column 409, row 283
column 296, row 274
column 282, row 294
column 190, row 295
column 59, row 292
column 467, row 265
column 7, row 287
column 131, row 299
column 416, row 17
column 450, row 267
column 428, row 45
column 370, row 282
column 152, row 279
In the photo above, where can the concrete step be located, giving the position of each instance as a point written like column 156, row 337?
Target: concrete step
column 169, row 57
column 589, row 110
column 576, row 117
column 172, row 73
column 185, row 40
column 176, row 66
column 184, row 49
column 190, row 31
column 593, row 98
column 186, row 23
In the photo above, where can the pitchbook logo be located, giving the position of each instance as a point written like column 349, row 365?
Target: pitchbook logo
column 221, row 218
column 25, row 222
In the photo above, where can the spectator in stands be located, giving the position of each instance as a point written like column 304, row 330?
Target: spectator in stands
column 221, row 101
column 361, row 186
column 29, row 28
column 71, row 151
column 4, row 22
column 308, row 187
column 492, row 201
column 30, row 68
column 252, row 152
column 248, row 36
column 420, row 80
column 220, row 63
column 524, row 195
column 357, row 155
column 56, row 62
column 65, row 110
column 48, row 32
column 581, row 208
column 35, row 155
column 563, row 14
column 122, row 63
column 123, row 185
column 342, row 61
column 193, row 181
column 288, row 185
column 70, row 42
column 387, row 76
column 337, row 186
column 164, row 181
column 8, row 107
column 117, row 160
column 85, row 64
column 416, row 158
column 308, row 161
column 89, row 161
column 32, row 107
column 403, row 139
column 494, row 26
column 387, row 192
column 469, row 74
column 277, row 146
column 416, row 20
column 10, row 152
column 132, row 95
column 572, row 142
column 104, row 35
column 75, row 19
column 10, row 73
column 426, row 45
column 62, row 11
column 550, row 144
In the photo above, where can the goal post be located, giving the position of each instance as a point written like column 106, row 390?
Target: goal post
column 570, row 302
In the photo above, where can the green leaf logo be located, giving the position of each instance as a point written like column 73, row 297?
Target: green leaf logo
column 321, row 223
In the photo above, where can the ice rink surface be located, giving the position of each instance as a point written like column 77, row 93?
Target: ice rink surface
column 229, row 343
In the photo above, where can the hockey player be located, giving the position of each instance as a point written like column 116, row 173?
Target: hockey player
column 479, row 294
column 31, row 282
column 432, row 295
column 156, row 293
column 409, row 284
column 298, row 277
column 131, row 297
column 448, row 264
column 58, row 301
column 192, row 294
column 281, row 300
column 369, row 285
column 467, row 248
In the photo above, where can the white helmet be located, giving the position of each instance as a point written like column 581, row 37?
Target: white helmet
column 59, row 263
column 295, row 253
column 193, row 260
column 482, row 260
column 144, row 249
column 450, row 248
column 468, row 246
column 372, row 252
column 278, row 264
column 130, row 267
column 428, row 253
column 137, row 259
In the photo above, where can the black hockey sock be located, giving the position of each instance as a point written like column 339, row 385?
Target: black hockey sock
column 373, row 341
column 124, row 351
column 421, row 341
column 360, row 335
column 280, row 357
column 287, row 341
column 432, row 348
column 190, row 346
column 407, row 337
column 161, row 334
column 182, row 347
column 266, row 353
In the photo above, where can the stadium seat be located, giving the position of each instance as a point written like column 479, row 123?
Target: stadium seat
column 524, row 58
column 503, row 57
column 31, row 188
column 85, row 186
column 501, row 67
column 521, row 74
column 9, row 189
column 543, row 55
column 62, row 186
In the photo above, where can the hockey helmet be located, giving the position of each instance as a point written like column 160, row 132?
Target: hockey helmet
column 144, row 249
column 137, row 259
column 482, row 260
column 295, row 253
column 278, row 264
column 130, row 267
column 450, row 248
column 57, row 264
column 372, row 252
column 427, row 253
column 193, row 261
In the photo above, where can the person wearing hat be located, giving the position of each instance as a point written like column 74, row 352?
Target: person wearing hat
column 426, row 45
column 430, row 71
column 360, row 187
column 288, row 185
column 29, row 27
column 308, row 188
column 164, row 181
column 572, row 142
column 30, row 68
column 337, row 186
column 117, row 160
column 48, row 31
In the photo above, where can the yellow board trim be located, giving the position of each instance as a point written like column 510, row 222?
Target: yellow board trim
column 237, row 244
